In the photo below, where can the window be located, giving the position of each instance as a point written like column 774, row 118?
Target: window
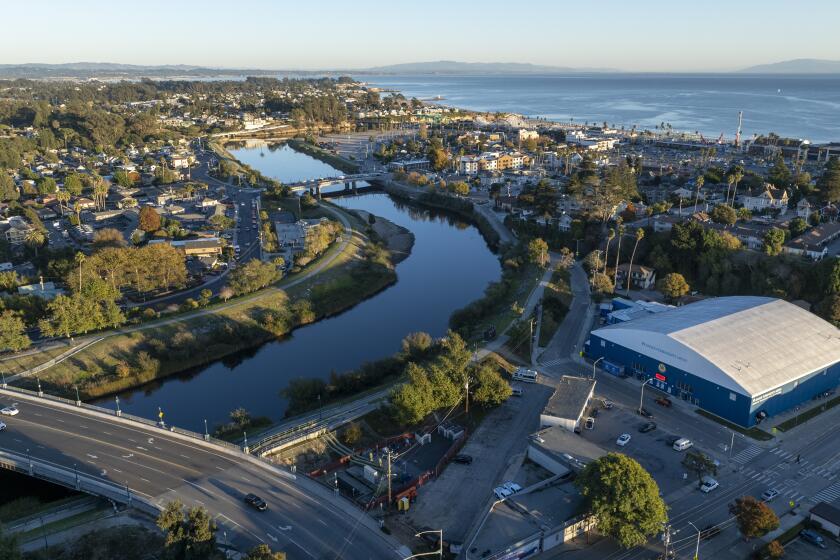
column 732, row 396
column 603, row 344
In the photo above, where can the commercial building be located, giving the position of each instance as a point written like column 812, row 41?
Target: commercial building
column 742, row 358
column 568, row 403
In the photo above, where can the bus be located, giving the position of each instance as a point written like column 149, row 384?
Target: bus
column 526, row 375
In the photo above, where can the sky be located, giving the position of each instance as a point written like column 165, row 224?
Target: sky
column 643, row 35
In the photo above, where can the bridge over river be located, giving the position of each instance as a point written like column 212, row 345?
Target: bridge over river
column 142, row 464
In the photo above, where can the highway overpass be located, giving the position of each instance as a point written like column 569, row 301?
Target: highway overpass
column 133, row 460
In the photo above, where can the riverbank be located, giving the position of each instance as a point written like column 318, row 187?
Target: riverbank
column 356, row 270
column 323, row 155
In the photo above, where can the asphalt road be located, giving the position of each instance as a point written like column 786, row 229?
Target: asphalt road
column 304, row 519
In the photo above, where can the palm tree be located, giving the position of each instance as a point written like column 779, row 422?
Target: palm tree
column 738, row 176
column 610, row 236
column 35, row 238
column 80, row 258
column 700, row 181
column 618, row 252
column 63, row 198
column 640, row 234
column 730, row 180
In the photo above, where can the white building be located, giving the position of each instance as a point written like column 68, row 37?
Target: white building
column 766, row 197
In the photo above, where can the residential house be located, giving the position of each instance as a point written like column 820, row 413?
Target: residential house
column 15, row 229
column 764, row 198
column 804, row 209
column 44, row 290
column 468, row 165
column 814, row 243
column 641, row 277
column 564, row 222
column 524, row 135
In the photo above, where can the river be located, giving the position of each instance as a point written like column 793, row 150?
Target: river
column 449, row 266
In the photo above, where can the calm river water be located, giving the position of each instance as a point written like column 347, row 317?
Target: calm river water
column 450, row 265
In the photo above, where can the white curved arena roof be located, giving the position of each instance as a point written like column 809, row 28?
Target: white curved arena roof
column 747, row 344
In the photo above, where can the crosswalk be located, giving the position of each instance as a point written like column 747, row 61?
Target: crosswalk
column 828, row 470
column 554, row 362
column 828, row 494
column 746, row 455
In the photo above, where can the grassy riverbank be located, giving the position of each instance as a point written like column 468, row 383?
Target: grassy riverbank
column 129, row 359
column 323, row 155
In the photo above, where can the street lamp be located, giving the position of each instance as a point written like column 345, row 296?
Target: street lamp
column 439, row 551
column 642, row 396
column 78, row 400
column 206, row 433
column 117, row 401
column 320, row 410
column 594, row 364
column 697, row 547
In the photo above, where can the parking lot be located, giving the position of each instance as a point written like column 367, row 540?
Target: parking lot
column 799, row 549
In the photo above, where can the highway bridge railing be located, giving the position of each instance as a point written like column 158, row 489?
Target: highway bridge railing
column 125, row 416
column 81, row 482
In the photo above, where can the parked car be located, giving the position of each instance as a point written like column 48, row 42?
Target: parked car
column 462, row 459
column 644, row 412
column 769, row 495
column 812, row 537
column 684, row 443
column 608, row 404
column 2, row 426
column 9, row 411
column 589, row 424
column 501, row 492
column 671, row 440
column 623, row 440
column 256, row 502
column 512, row 486
column 664, row 401
column 647, row 427
column 708, row 484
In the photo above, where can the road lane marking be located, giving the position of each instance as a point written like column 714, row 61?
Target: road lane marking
column 322, row 522
column 91, row 456
column 184, row 456
column 291, row 540
column 272, row 537
column 145, row 480
column 142, row 448
column 117, row 470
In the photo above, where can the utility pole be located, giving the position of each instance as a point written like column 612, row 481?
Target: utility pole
column 697, row 546
column 467, row 396
column 666, row 538
column 388, row 455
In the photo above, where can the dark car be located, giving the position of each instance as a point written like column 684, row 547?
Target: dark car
column 709, row 531
column 256, row 502
column 664, row 401
column 462, row 459
column 647, row 427
column 644, row 412
column 671, row 440
column 812, row 537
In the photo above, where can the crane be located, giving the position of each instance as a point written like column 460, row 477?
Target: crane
column 738, row 134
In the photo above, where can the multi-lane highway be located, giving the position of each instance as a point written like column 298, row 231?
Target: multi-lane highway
column 304, row 519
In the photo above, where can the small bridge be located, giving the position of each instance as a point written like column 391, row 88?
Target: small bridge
column 314, row 186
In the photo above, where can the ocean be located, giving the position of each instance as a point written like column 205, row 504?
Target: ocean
column 797, row 106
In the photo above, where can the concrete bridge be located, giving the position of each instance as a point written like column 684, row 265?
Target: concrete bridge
column 143, row 464
column 350, row 183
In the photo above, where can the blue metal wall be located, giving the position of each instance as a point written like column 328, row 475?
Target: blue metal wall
column 732, row 406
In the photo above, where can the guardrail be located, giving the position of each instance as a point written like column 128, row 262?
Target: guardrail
column 81, row 482
column 119, row 413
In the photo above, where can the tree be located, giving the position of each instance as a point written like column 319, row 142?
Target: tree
column 593, row 262
column 724, row 214
column 624, row 499
column 205, row 296
column 775, row 549
column 673, row 286
column 754, row 517
column 610, row 236
column 252, row 276
column 829, row 181
column 35, row 238
column 73, row 184
column 149, row 220
column 460, row 188
column 63, row 197
column 413, row 400
column 773, row 241
column 264, row 552
column 9, row 547
column 640, row 234
column 416, row 345
column 538, row 252
column 46, row 185
column 12, row 332
column 602, row 284
column 492, row 389
column 618, row 253
column 352, row 434
column 226, row 293
column 8, row 190
column 699, row 182
column 108, row 237
column 699, row 463
column 190, row 537
column 240, row 416
column 797, row 226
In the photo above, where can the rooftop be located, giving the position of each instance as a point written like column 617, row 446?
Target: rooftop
column 747, row 344
column 569, row 399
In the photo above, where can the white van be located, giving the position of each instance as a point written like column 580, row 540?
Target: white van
column 516, row 391
column 682, row 444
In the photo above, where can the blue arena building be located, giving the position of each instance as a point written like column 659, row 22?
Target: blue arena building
column 741, row 358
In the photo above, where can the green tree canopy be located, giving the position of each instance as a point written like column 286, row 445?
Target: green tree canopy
column 252, row 276
column 624, row 498
column 673, row 286
column 724, row 214
column 538, row 252
column 773, row 241
column 492, row 389
column 12, row 332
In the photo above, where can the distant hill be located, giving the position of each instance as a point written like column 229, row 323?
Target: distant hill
column 453, row 67
column 84, row 70
column 796, row 66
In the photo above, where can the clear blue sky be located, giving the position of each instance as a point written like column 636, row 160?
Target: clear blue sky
column 643, row 35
